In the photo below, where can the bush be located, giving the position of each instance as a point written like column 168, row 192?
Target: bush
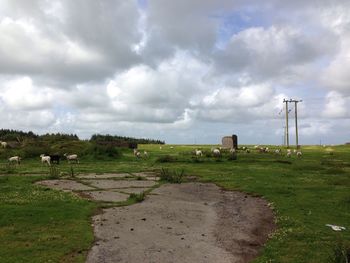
column 172, row 176
column 166, row 159
column 97, row 151
column 232, row 156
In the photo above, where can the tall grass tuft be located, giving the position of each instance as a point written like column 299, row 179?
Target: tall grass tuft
column 172, row 176
column 137, row 197
column 340, row 253
column 54, row 172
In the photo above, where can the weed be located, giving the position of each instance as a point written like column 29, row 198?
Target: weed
column 71, row 171
column 54, row 172
column 172, row 176
column 340, row 253
column 137, row 197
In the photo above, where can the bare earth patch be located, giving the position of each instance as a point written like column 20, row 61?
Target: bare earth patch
column 192, row 222
column 110, row 184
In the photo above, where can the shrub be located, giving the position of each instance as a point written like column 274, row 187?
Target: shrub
column 166, row 159
column 232, row 156
column 172, row 176
column 97, row 151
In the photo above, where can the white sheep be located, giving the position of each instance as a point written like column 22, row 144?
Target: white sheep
column 299, row 154
column 232, row 150
column 244, row 148
column 289, row 152
column 72, row 157
column 3, row 144
column 135, row 151
column 198, row 152
column 145, row 154
column 278, row 151
column 216, row 152
column 171, row 147
column 138, row 154
column 45, row 159
column 15, row 159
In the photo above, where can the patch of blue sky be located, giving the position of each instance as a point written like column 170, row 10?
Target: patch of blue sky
column 235, row 22
column 142, row 4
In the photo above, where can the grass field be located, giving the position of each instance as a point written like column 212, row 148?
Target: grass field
column 43, row 225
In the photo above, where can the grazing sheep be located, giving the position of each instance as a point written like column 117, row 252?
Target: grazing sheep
column 138, row 154
column 45, row 159
column 72, row 157
column 171, row 147
column 299, row 154
column 247, row 151
column 15, row 159
column 198, row 152
column 256, row 147
column 295, row 151
column 244, row 148
column 145, row 154
column 135, row 151
column 160, row 147
column 55, row 158
column 289, row 152
column 3, row 144
column 266, row 150
column 278, row 151
column 216, row 152
column 232, row 150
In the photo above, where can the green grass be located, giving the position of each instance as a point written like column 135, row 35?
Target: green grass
column 41, row 225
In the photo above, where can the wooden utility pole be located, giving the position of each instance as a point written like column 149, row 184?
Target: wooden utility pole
column 287, row 132
column 296, row 121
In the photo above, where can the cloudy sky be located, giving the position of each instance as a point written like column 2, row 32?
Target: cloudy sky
column 185, row 71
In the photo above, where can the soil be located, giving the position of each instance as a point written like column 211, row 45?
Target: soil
column 192, row 222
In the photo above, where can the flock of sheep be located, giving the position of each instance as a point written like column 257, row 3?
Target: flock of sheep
column 47, row 159
column 217, row 151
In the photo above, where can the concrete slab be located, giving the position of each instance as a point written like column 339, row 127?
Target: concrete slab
column 111, row 184
column 65, row 185
column 104, row 176
column 107, row 196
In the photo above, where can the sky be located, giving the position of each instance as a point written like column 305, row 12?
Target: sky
column 186, row 72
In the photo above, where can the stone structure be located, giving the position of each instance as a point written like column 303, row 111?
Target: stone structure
column 230, row 142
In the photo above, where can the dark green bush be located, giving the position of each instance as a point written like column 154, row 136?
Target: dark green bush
column 166, row 159
column 99, row 152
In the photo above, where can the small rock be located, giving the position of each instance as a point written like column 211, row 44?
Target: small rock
column 131, row 229
column 144, row 219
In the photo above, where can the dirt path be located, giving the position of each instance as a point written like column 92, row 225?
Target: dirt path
column 192, row 222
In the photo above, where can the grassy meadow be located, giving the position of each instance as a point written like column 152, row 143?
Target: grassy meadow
column 38, row 224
